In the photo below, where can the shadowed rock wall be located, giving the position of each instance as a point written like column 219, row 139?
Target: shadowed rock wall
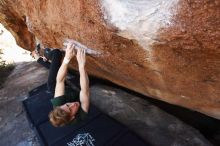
column 165, row 50
column 14, row 21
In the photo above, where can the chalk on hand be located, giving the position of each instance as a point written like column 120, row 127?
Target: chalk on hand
column 79, row 45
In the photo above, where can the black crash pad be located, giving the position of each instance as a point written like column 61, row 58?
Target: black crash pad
column 50, row 134
column 101, row 129
column 97, row 129
column 38, row 90
column 37, row 107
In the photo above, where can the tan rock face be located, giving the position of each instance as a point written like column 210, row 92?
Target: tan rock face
column 14, row 21
column 172, row 54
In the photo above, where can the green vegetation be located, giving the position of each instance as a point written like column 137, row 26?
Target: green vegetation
column 5, row 70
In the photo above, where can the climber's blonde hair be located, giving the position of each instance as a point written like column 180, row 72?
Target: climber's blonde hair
column 59, row 117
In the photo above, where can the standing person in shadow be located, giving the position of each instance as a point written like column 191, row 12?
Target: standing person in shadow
column 69, row 107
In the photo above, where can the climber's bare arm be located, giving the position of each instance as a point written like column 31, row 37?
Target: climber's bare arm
column 84, row 80
column 61, row 75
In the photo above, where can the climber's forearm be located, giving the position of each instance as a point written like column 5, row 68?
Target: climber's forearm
column 60, row 81
column 61, row 75
column 84, row 81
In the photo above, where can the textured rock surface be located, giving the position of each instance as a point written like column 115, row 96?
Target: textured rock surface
column 14, row 126
column 155, row 126
column 15, row 23
column 176, row 58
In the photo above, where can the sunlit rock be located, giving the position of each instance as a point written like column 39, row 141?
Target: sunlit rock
column 168, row 50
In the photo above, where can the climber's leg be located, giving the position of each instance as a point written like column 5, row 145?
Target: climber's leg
column 46, row 64
column 56, row 59
column 47, row 53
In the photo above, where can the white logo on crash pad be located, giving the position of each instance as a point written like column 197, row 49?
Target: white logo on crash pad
column 84, row 139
